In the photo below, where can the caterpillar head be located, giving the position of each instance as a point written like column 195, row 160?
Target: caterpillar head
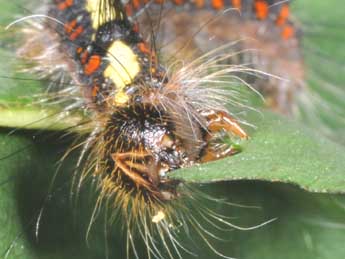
column 164, row 126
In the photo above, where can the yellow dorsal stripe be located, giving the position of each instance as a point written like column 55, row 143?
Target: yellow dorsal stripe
column 122, row 69
column 101, row 12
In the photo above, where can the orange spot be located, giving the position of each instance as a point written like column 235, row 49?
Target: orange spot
column 178, row 2
column 236, row 3
column 136, row 4
column 76, row 33
column 79, row 50
column 143, row 48
column 70, row 26
column 261, row 9
column 199, row 3
column 64, row 5
column 95, row 90
column 93, row 64
column 84, row 57
column 217, row 4
column 128, row 10
column 136, row 27
column 287, row 32
column 283, row 15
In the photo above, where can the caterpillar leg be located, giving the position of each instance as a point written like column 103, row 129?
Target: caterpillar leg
column 219, row 121
column 139, row 166
column 210, row 153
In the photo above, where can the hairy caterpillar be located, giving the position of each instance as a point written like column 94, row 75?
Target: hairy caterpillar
column 159, row 215
column 144, row 119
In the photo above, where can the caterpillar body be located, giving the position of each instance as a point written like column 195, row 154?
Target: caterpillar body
column 264, row 28
column 266, row 36
column 148, row 116
column 145, row 120
column 145, row 132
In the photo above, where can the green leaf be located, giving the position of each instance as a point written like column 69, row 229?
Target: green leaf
column 27, row 168
column 11, row 229
column 279, row 151
column 308, row 225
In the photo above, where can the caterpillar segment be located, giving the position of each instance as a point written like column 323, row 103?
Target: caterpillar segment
column 272, row 11
column 263, row 34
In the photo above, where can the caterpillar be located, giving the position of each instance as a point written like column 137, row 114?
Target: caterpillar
column 103, row 98
column 145, row 121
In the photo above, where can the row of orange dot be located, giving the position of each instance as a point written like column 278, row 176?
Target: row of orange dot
column 73, row 30
column 143, row 48
column 287, row 30
column 65, row 4
column 216, row 4
column 91, row 64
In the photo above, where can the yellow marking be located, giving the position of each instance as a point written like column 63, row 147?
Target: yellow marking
column 101, row 12
column 122, row 69
column 158, row 217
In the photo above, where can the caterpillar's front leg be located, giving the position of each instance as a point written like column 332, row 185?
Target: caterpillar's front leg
column 137, row 166
column 217, row 122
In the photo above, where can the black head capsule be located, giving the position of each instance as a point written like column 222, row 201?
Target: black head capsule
column 142, row 147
